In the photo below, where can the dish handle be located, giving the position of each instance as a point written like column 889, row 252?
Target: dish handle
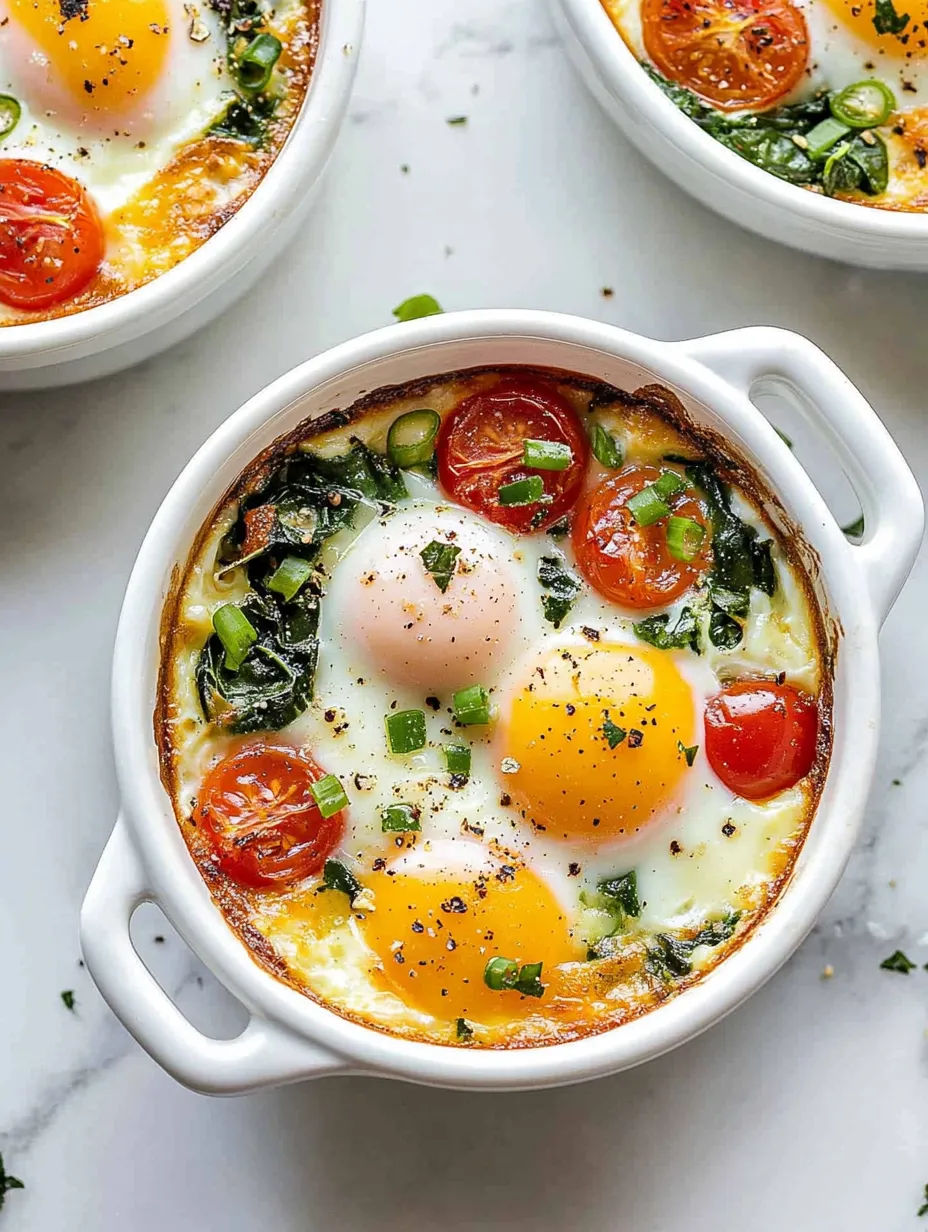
column 893, row 510
column 262, row 1055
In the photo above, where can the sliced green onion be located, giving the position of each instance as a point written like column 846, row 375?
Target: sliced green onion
column 337, row 876
column 865, row 104
column 472, row 705
column 399, row 818
column 669, row 484
column 405, row 731
column 522, row 491
column 329, row 795
column 457, row 758
column 290, row 576
column 646, row 506
column 546, row 455
column 607, row 450
column 824, row 135
column 256, row 63
column 501, row 973
column 10, row 112
column 684, row 538
column 417, row 306
column 236, row 632
column 411, row 438
column 440, row 560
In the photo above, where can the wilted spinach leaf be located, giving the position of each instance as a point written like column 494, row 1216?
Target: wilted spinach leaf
column 666, row 634
column 562, row 588
column 274, row 684
column 775, row 140
column 669, row 956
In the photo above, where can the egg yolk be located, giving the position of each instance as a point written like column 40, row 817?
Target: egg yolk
column 106, row 53
column 435, row 928
column 595, row 737
column 910, row 43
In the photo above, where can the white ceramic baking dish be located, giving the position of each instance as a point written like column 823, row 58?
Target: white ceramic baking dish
column 138, row 325
column 289, row 1037
column 718, row 177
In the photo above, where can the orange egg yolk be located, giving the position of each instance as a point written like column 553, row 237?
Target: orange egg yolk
column 595, row 737
column 107, row 53
column 434, row 930
column 910, row 43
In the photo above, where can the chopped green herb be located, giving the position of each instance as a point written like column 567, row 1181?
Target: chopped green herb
column 68, row 998
column 417, row 306
column 456, row 121
column 7, row 1183
column 463, row 1029
column 614, row 735
column 440, row 560
column 648, row 506
column 289, row 577
column 886, row 20
column 684, row 538
column 254, row 63
column 329, row 795
column 668, row 634
column 457, row 758
column 922, row 1210
column 528, row 491
column 399, row 818
column 562, row 587
column 502, row 974
column 897, row 961
column 607, row 449
column 411, row 438
column 688, row 753
column 337, row 876
column 669, row 484
column 865, row 104
column 10, row 113
column 236, row 632
column 471, row 705
column 405, row 731
column 546, row 455
column 559, row 529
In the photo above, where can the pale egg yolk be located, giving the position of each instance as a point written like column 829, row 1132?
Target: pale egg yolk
column 910, row 43
column 571, row 704
column 437, row 924
column 107, row 54
column 416, row 630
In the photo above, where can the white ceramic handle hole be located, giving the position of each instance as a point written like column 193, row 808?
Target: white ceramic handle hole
column 190, row 986
column 782, row 406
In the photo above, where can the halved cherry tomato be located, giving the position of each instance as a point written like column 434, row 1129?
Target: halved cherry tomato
column 481, row 445
column 51, row 237
column 264, row 825
column 628, row 563
column 761, row 737
column 735, row 53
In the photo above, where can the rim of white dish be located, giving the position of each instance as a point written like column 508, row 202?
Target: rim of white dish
column 296, row 166
column 621, row 73
column 173, row 878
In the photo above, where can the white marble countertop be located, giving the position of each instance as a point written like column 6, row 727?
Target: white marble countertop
column 808, row 1108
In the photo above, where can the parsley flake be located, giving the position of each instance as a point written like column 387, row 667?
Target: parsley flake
column 614, row 734
column 440, row 560
column 897, row 961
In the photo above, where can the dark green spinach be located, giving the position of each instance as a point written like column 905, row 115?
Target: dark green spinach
column 775, row 140
column 886, row 20
column 669, row 955
column 562, row 588
column 668, row 634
